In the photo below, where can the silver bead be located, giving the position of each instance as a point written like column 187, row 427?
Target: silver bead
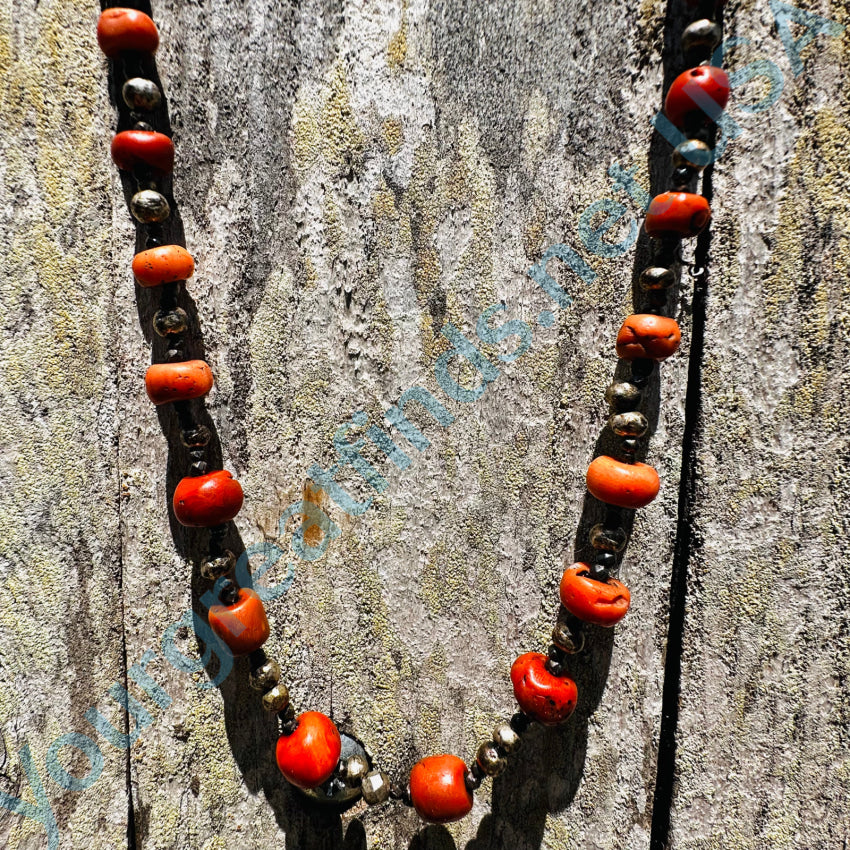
column 354, row 769
column 266, row 676
column 213, row 569
column 693, row 152
column 490, row 760
column 608, row 539
column 566, row 639
column 141, row 94
column 630, row 423
column 656, row 277
column 506, row 738
column 277, row 699
column 375, row 787
column 623, row 396
column 703, row 33
column 149, row 206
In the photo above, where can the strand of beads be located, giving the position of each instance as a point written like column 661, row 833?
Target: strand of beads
column 309, row 748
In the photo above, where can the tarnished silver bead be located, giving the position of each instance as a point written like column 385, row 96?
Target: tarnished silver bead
column 693, row 152
column 141, row 94
column 656, row 277
column 266, row 676
column 566, row 639
column 375, row 787
column 608, row 539
column 354, row 769
column 623, row 396
column 629, row 423
column 214, row 568
column 506, row 738
column 489, row 759
column 167, row 322
column 276, row 699
column 702, row 33
column 148, row 206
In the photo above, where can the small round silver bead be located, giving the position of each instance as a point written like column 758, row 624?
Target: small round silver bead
column 630, row 423
column 375, row 787
column 656, row 277
column 489, row 759
column 354, row 769
column 276, row 699
column 702, row 33
column 693, row 152
column 141, row 94
column 149, row 206
column 608, row 539
column 623, row 396
column 213, row 569
column 266, row 676
column 566, row 639
column 506, row 738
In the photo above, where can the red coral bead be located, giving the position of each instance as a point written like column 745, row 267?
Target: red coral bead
column 179, row 381
column 438, row 789
column 121, row 29
column 628, row 485
column 645, row 335
column 691, row 90
column 309, row 755
column 602, row 603
column 207, row 500
column 676, row 214
column 163, row 264
column 133, row 148
column 243, row 626
column 548, row 698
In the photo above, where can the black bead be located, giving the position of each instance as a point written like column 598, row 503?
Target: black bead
column 174, row 355
column 629, row 445
column 228, row 592
column 142, row 125
column 152, row 241
column 520, row 722
column 641, row 370
column 606, row 559
column 598, row 572
column 198, row 436
column 682, row 175
column 257, row 658
column 199, row 467
column 197, row 454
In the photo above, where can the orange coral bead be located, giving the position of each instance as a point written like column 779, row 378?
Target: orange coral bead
column 603, row 603
column 121, row 29
column 207, row 500
column 243, row 626
column 692, row 90
column 308, row 756
column 134, row 148
column 187, row 379
column 628, row 485
column 163, row 264
column 644, row 335
column 438, row 789
column 676, row 214
column 548, row 698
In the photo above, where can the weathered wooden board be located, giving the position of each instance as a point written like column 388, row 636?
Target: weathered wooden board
column 352, row 178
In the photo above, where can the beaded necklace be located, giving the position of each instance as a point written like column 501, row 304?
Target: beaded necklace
column 311, row 752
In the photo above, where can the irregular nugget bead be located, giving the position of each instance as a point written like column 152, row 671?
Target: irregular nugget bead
column 645, row 335
column 547, row 698
column 676, row 214
column 163, row 264
column 120, row 29
column 602, row 603
column 704, row 86
column 207, row 500
column 180, row 381
column 628, row 485
column 438, row 790
column 243, row 626
column 308, row 756
column 134, row 148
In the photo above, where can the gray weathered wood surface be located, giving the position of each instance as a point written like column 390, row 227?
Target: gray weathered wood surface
column 352, row 176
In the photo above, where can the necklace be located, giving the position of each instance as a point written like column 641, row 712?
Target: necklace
column 311, row 753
